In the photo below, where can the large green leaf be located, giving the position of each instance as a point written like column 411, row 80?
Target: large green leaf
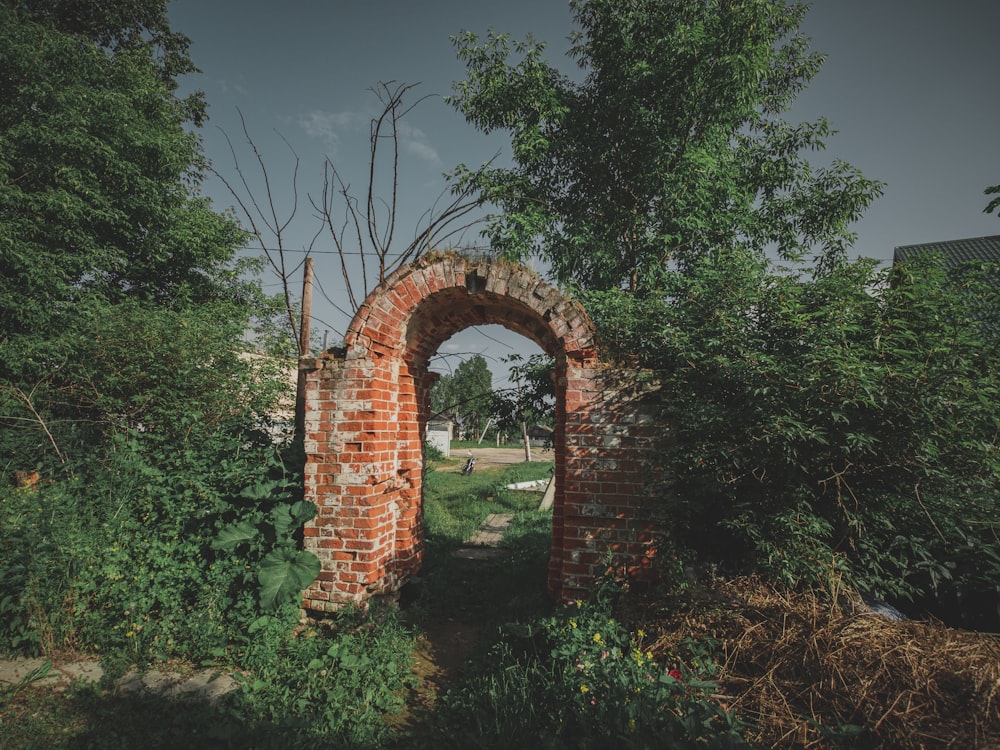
column 288, row 518
column 284, row 573
column 230, row 537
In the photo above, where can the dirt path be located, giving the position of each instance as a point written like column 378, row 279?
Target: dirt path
column 500, row 456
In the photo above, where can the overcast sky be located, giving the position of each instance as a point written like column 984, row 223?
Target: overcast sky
column 911, row 86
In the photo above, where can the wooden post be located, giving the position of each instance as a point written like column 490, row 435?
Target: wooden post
column 299, row 435
column 307, row 298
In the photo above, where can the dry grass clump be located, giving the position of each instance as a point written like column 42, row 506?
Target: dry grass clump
column 801, row 670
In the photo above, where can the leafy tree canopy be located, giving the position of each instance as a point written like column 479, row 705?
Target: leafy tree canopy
column 125, row 393
column 837, row 427
column 666, row 146
column 830, row 420
column 531, row 400
column 99, row 215
column 994, row 204
column 467, row 393
column 119, row 26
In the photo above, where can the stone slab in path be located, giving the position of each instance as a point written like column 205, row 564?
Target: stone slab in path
column 482, row 545
column 491, row 531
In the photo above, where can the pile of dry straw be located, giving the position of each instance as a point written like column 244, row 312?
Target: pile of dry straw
column 797, row 668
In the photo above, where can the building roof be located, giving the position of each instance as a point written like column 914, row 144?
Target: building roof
column 954, row 252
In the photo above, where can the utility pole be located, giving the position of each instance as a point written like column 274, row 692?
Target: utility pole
column 300, row 383
column 307, row 298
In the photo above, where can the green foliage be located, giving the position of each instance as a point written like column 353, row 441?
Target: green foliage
column 330, row 687
column 838, row 426
column 432, row 455
column 468, row 394
column 455, row 505
column 263, row 533
column 829, row 421
column 665, row 147
column 284, row 574
column 124, row 379
column 128, row 563
column 995, row 202
column 510, row 585
column 579, row 679
column 120, row 297
column 532, row 399
column 120, row 27
column 165, row 521
column 86, row 715
column 97, row 181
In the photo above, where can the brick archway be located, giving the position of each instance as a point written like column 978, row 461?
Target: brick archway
column 368, row 403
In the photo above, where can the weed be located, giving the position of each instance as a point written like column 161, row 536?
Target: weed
column 331, row 686
column 578, row 679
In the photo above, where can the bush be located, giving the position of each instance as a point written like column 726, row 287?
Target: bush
column 580, row 680
column 829, row 425
column 333, row 687
column 128, row 563
column 432, row 454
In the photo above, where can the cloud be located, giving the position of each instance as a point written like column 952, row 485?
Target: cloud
column 328, row 126
column 414, row 141
column 233, row 88
column 331, row 127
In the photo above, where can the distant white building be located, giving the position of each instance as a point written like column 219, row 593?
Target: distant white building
column 440, row 432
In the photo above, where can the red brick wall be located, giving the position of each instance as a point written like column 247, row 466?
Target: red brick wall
column 367, row 405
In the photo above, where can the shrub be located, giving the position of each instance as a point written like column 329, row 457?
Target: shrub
column 333, row 687
column 829, row 424
column 578, row 679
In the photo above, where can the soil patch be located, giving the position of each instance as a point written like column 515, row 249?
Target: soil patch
column 495, row 457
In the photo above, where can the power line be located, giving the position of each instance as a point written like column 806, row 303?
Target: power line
column 290, row 250
column 337, row 252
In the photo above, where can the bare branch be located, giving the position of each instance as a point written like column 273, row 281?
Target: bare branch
column 267, row 216
column 366, row 230
column 41, row 422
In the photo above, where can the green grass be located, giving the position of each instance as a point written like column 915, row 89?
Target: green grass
column 455, row 505
column 466, row 444
column 87, row 716
column 488, row 592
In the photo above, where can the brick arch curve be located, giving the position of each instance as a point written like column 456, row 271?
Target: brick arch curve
column 367, row 405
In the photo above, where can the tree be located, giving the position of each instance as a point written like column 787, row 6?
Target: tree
column 994, row 204
column 123, row 316
column 99, row 219
column 467, row 393
column 670, row 147
column 532, row 399
column 830, row 421
column 362, row 226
